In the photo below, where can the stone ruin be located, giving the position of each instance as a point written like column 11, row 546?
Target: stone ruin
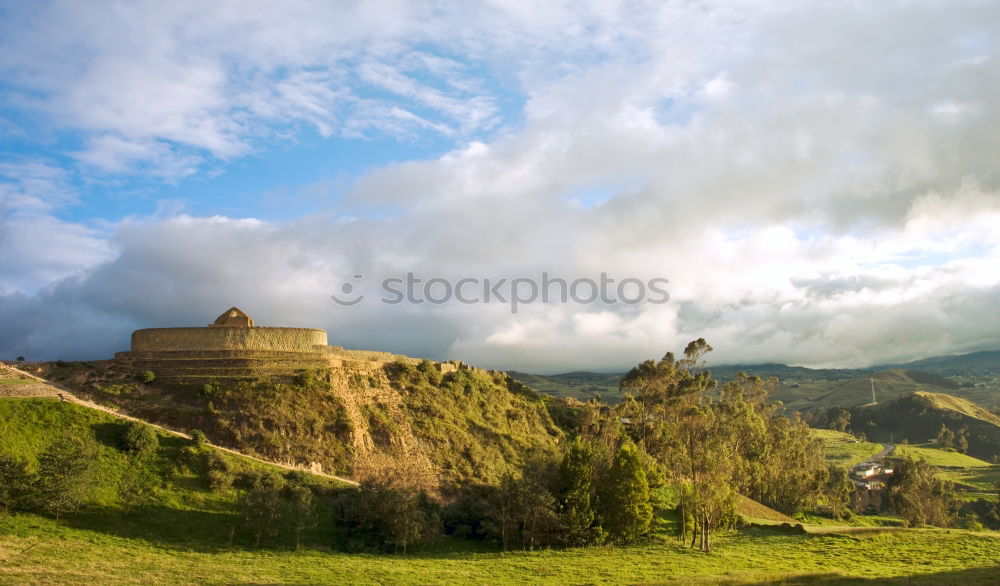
column 232, row 347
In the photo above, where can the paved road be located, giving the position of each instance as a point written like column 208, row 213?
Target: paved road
column 66, row 395
column 885, row 451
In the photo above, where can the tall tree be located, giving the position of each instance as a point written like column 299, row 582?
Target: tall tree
column 839, row 491
column 303, row 510
column 261, row 503
column 919, row 496
column 65, row 474
column 962, row 443
column 946, row 437
column 626, row 510
column 15, row 483
column 576, row 510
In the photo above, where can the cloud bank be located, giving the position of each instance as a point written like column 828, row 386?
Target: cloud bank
column 819, row 182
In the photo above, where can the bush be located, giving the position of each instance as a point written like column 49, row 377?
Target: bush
column 379, row 516
column 217, row 471
column 15, row 483
column 261, row 504
column 199, row 438
column 65, row 475
column 209, row 389
column 147, row 376
column 139, row 439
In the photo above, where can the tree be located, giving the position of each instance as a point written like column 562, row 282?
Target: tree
column 946, row 437
column 962, row 443
column 841, row 420
column 65, row 474
column 575, row 509
column 626, row 510
column 918, row 495
column 504, row 517
column 303, row 509
column 380, row 516
column 261, row 503
column 839, row 491
column 15, row 483
column 139, row 439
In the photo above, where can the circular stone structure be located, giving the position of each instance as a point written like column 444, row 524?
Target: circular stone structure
column 232, row 331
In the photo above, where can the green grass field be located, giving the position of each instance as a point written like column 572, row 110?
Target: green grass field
column 187, row 533
column 841, row 448
column 37, row 550
column 961, row 469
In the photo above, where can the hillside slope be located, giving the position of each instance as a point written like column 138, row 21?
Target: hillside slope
column 178, row 506
column 917, row 417
column 852, row 392
column 357, row 420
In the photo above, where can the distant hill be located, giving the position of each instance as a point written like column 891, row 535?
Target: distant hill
column 917, row 417
column 817, row 394
column 974, row 364
column 578, row 385
column 802, row 388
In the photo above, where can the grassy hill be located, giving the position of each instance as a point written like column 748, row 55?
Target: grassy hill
column 188, row 532
column 843, row 449
column 801, row 389
column 359, row 420
column 578, row 385
column 918, row 416
column 969, row 474
column 181, row 509
column 889, row 384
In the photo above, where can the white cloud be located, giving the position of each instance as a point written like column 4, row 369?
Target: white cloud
column 818, row 181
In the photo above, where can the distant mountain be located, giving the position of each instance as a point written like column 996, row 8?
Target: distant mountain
column 808, row 388
column 974, row 364
column 579, row 385
column 810, row 395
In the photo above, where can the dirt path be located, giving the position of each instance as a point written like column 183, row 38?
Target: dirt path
column 46, row 388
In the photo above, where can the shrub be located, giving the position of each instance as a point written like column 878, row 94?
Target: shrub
column 379, row 516
column 147, row 376
column 65, row 470
column 217, row 472
column 199, row 438
column 138, row 439
column 261, row 504
column 209, row 389
column 15, row 483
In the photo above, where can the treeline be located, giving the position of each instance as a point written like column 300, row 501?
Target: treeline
column 585, row 496
column 714, row 443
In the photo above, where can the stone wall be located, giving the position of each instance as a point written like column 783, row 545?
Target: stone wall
column 219, row 338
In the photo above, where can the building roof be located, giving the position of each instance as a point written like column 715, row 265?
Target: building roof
column 234, row 317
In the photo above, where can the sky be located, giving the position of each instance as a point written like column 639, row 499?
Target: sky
column 818, row 182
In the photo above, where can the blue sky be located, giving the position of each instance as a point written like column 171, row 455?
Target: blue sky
column 817, row 180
